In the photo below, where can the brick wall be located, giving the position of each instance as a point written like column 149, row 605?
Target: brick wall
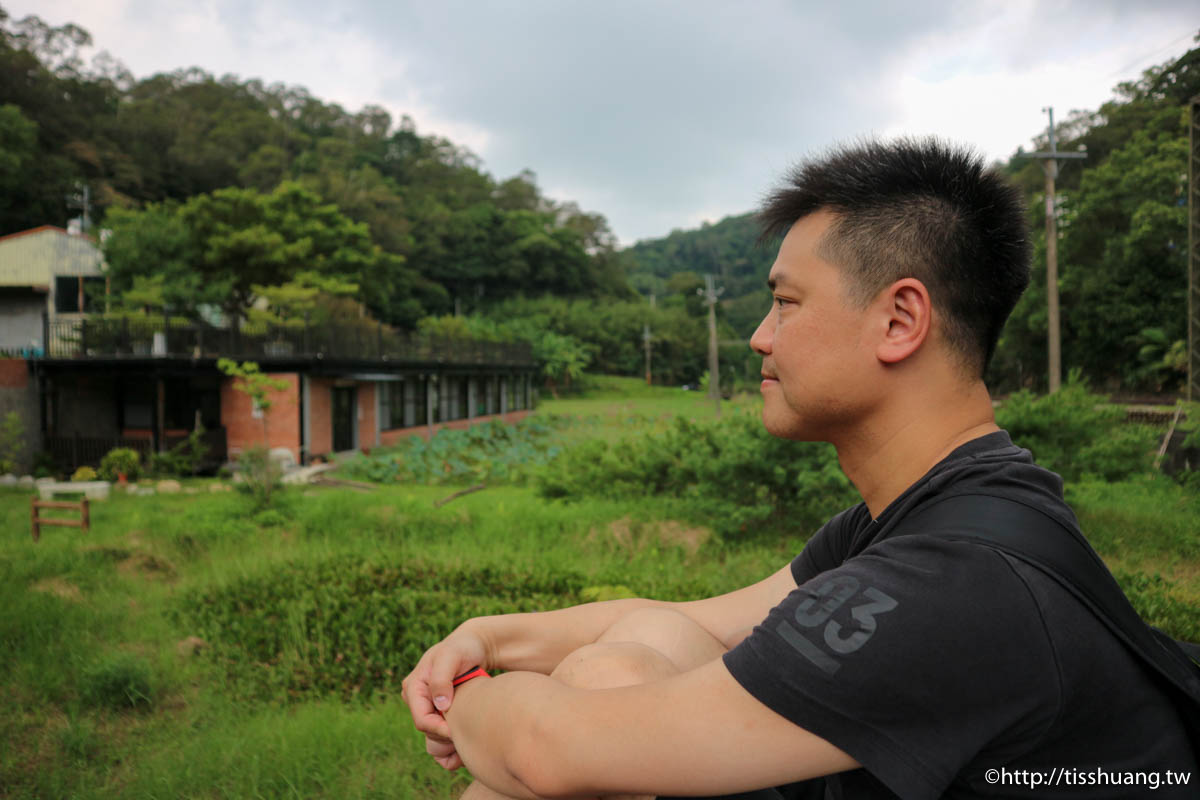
column 243, row 429
column 18, row 392
column 398, row 434
column 320, row 416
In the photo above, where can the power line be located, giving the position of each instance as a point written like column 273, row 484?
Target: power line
column 1134, row 63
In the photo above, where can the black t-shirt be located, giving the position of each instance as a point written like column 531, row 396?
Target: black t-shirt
column 932, row 661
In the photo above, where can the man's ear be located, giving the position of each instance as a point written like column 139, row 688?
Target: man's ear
column 909, row 317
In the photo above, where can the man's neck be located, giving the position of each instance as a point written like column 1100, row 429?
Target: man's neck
column 891, row 452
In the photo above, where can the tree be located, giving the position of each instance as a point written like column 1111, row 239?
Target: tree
column 260, row 472
column 221, row 248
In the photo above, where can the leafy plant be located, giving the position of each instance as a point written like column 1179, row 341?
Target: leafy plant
column 1075, row 433
column 182, row 460
column 261, row 475
column 255, row 384
column 84, row 473
column 120, row 461
column 731, row 474
column 492, row 451
column 12, row 441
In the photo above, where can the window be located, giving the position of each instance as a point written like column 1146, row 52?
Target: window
column 391, row 404
column 69, row 288
column 492, row 382
column 519, row 392
column 415, row 401
column 462, row 411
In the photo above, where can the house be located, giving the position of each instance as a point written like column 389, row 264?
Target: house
column 85, row 383
column 147, row 383
column 45, row 271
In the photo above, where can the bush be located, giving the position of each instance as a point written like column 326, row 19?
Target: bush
column 120, row 681
column 493, row 452
column 1077, row 433
column 120, row 461
column 733, row 474
column 84, row 474
column 350, row 628
column 183, row 460
column 261, row 475
column 12, row 442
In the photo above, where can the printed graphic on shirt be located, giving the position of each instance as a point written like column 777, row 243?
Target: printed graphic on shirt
column 823, row 640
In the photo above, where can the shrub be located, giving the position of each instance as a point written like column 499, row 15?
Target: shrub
column 12, row 441
column 261, row 475
column 493, row 452
column 732, row 474
column 350, row 628
column 120, row 461
column 119, row 681
column 183, row 460
column 1077, row 433
column 84, row 474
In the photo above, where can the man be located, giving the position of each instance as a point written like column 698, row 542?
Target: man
column 906, row 667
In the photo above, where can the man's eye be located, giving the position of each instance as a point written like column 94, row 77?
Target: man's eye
column 781, row 302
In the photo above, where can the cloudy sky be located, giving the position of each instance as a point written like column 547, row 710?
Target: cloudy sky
column 661, row 114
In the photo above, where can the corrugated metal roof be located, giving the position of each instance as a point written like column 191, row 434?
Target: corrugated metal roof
column 34, row 257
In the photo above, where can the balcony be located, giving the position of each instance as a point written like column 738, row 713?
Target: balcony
column 365, row 341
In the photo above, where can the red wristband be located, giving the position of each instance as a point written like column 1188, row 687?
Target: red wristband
column 473, row 672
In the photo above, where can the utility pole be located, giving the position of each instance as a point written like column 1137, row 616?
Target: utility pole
column 646, row 347
column 1193, row 376
column 646, row 338
column 710, row 296
column 1050, row 159
column 82, row 199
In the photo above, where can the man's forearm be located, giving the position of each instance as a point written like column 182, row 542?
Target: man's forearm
column 537, row 642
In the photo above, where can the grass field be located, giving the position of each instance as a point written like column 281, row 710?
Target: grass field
column 311, row 611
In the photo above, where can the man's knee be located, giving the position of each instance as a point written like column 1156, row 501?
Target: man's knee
column 607, row 665
column 669, row 632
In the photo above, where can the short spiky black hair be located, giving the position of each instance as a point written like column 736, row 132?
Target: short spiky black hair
column 917, row 208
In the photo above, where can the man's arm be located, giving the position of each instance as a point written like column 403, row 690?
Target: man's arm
column 537, row 642
column 700, row 733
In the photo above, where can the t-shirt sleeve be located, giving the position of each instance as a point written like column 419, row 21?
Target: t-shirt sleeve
column 912, row 657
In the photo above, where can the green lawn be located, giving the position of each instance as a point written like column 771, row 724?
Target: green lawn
column 312, row 611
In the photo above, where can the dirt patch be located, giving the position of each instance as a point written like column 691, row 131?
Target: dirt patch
column 690, row 539
column 147, row 566
column 59, row 588
column 109, row 553
column 190, row 646
column 634, row 535
column 384, row 513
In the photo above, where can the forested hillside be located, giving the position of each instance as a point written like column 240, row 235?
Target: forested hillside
column 186, row 164
column 225, row 193
column 1122, row 222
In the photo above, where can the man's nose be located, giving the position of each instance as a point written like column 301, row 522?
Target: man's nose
column 760, row 342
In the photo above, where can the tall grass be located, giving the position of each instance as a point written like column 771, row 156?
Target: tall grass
column 99, row 700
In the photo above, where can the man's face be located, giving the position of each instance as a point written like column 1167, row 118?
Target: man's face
column 818, row 361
